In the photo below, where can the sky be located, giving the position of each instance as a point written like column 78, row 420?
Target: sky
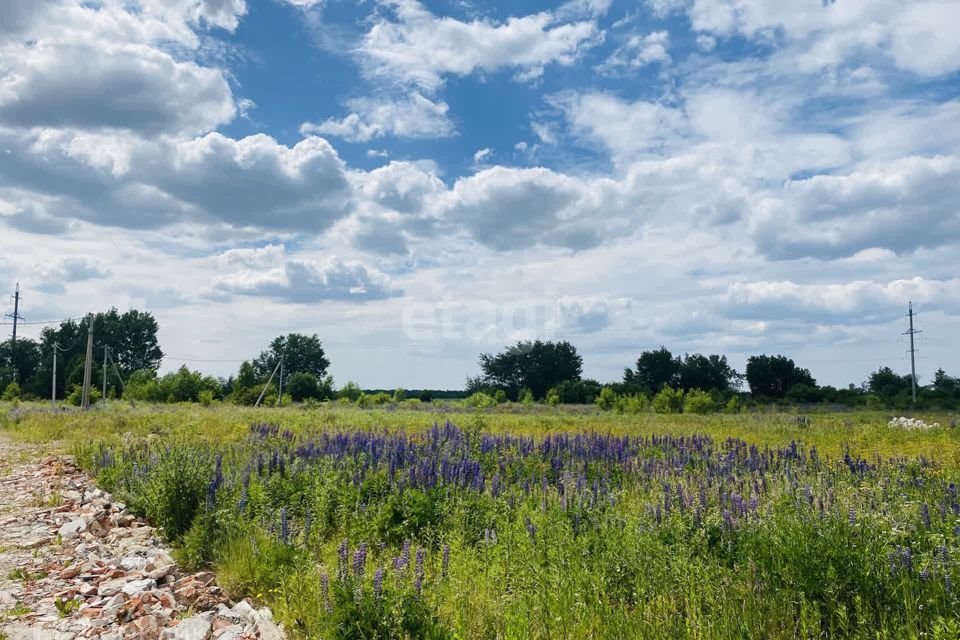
column 421, row 182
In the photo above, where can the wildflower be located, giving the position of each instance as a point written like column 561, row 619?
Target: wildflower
column 924, row 575
column 360, row 560
column 325, row 591
column 948, row 583
column 284, row 526
column 378, row 583
column 925, row 514
column 418, row 570
column 853, row 516
column 342, row 554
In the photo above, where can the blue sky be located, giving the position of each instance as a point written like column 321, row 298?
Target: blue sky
column 420, row 182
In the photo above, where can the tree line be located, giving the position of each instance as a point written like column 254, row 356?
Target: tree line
column 528, row 371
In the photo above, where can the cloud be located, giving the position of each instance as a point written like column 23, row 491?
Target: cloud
column 129, row 78
column 482, row 154
column 420, row 48
column 901, row 205
column 926, row 38
column 638, row 51
column 309, row 281
column 412, row 117
column 625, row 129
column 856, row 301
column 53, row 276
column 509, row 209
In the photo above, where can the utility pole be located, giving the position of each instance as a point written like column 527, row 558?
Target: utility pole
column 913, row 364
column 53, row 385
column 88, row 364
column 103, row 396
column 280, row 383
column 16, row 316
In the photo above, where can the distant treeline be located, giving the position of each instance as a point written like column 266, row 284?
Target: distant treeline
column 527, row 372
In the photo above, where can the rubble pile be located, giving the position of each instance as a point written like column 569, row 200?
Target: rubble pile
column 76, row 564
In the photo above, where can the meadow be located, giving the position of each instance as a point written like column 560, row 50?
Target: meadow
column 537, row 522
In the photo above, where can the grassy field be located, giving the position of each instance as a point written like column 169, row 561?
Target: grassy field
column 532, row 522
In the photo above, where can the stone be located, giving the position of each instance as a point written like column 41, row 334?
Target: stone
column 133, row 563
column 192, row 628
column 72, row 529
column 134, row 587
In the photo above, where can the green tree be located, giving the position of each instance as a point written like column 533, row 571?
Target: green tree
column 131, row 338
column 773, row 376
column 698, row 401
column 708, row 373
column 653, row 370
column 668, row 400
column 536, row 366
column 303, row 385
column 886, row 383
column 301, row 354
column 20, row 362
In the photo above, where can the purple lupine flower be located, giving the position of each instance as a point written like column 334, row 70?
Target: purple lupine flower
column 284, row 526
column 378, row 583
column 405, row 555
column 853, row 516
column 925, row 514
column 360, row 560
column 948, row 583
column 906, row 557
column 325, row 591
column 445, row 564
column 342, row 555
column 418, row 570
column 924, row 575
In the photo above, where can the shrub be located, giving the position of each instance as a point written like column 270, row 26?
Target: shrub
column 303, row 385
column 75, row 397
column 500, row 396
column 480, row 400
column 11, row 393
column 606, row 399
column 698, row 401
column 526, row 397
column 399, row 394
column 206, row 397
column 350, row 392
column 636, row 403
column 175, row 489
column 553, row 397
column 374, row 399
column 668, row 400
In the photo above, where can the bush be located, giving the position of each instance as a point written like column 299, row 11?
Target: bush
column 206, row 397
column 75, row 397
column 350, row 392
column 303, row 385
column 698, row 401
column 500, row 396
column 480, row 400
column 399, row 395
column 636, row 403
column 175, row 489
column 606, row 399
column 11, row 393
column 526, row 397
column 668, row 400
column 553, row 397
column 374, row 399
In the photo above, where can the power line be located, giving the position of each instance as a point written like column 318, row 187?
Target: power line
column 42, row 321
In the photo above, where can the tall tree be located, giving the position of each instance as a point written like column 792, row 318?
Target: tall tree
column 709, row 373
column 886, row 383
column 653, row 370
column 131, row 338
column 536, row 365
column 301, row 354
column 773, row 376
column 19, row 361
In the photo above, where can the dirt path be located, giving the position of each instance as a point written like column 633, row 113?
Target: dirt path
column 75, row 564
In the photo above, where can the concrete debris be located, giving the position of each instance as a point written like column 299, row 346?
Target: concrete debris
column 76, row 564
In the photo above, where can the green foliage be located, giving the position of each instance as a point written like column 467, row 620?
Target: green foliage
column 394, row 615
column 525, row 397
column 553, row 397
column 300, row 353
column 302, row 386
column 536, row 366
column 11, row 392
column 480, row 400
column 606, row 399
column 698, row 401
column 773, row 376
column 173, row 490
column 500, row 396
column 578, row 391
column 374, row 399
column 66, row 607
column 206, row 397
column 75, row 397
column 631, row 404
column 399, row 394
column 350, row 391
column 668, row 400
